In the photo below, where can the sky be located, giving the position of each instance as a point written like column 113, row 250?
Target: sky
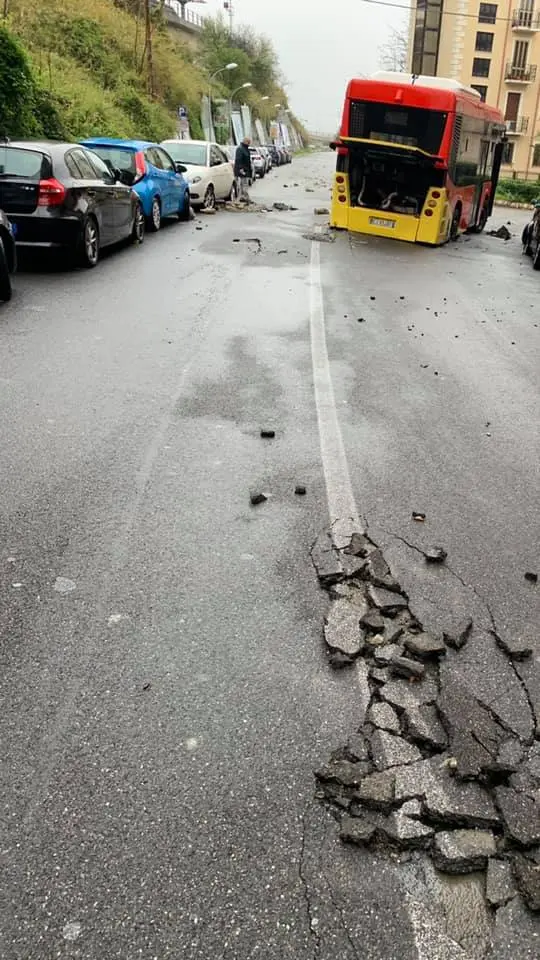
column 320, row 46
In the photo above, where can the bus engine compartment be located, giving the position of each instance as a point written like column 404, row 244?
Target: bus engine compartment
column 390, row 179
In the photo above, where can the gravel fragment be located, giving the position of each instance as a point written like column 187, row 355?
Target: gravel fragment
column 356, row 830
column 388, row 750
column 500, row 887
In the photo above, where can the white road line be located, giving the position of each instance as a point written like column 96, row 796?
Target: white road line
column 344, row 516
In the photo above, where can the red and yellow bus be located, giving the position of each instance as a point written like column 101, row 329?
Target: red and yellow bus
column 418, row 159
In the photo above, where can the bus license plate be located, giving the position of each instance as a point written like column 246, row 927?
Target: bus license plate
column 379, row 222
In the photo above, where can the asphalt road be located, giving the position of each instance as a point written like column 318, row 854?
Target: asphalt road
column 165, row 693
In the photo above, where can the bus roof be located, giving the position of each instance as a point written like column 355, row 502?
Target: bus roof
column 431, row 93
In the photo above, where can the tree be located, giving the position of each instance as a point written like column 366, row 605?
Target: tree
column 394, row 54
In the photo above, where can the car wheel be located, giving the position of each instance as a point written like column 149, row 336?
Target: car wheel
column 154, row 220
column 536, row 258
column 209, row 201
column 5, row 279
column 137, row 232
column 89, row 243
column 184, row 212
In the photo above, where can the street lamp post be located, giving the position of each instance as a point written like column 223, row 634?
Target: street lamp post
column 228, row 66
column 243, row 86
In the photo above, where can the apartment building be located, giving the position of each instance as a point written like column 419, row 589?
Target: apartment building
column 495, row 48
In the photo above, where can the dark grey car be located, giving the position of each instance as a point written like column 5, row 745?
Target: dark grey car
column 62, row 195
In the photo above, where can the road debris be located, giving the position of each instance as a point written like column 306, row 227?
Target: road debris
column 361, row 320
column 256, row 498
column 502, row 233
column 419, row 517
column 319, row 237
column 267, row 434
column 446, row 759
column 300, row 490
column 435, row 555
column 321, row 211
column 531, row 577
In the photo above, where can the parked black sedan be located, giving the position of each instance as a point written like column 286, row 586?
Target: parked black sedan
column 531, row 237
column 8, row 257
column 62, row 195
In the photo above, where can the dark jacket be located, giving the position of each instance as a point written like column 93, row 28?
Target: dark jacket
column 242, row 161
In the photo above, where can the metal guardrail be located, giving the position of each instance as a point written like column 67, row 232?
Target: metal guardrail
column 523, row 74
column 521, row 125
column 525, row 20
column 183, row 13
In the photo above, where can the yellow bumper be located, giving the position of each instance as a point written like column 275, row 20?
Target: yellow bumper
column 430, row 227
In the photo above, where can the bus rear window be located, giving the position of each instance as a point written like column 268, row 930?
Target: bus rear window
column 409, row 126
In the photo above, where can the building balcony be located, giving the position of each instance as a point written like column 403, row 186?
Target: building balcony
column 516, row 74
column 526, row 20
column 516, row 127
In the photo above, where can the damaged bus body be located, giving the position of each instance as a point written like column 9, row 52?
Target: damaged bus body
column 418, row 159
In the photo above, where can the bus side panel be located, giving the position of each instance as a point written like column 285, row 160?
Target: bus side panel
column 466, row 197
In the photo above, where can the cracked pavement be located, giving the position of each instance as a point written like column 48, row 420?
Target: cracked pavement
column 161, row 720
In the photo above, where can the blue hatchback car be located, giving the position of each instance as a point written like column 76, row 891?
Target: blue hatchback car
column 148, row 168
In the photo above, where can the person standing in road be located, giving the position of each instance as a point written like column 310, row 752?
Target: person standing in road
column 242, row 169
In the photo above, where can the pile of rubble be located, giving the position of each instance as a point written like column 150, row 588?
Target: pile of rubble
column 435, row 766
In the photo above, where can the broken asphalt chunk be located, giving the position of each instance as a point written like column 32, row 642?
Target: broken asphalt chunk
column 425, row 646
column 500, row 886
column 356, row 830
column 424, row 726
column 419, row 517
column 405, row 667
column 321, row 211
column 342, row 629
column 405, row 827
column 531, row 577
column 268, row 434
column 527, row 874
column 338, row 660
column 476, row 738
column 445, row 800
column 344, row 772
column 463, row 851
column 256, row 498
column 386, row 601
column 378, row 572
column 388, row 750
column 435, row 555
column 300, row 490
column 520, row 814
column 359, row 546
column 377, row 791
column 373, row 621
column 383, row 716
column 326, row 560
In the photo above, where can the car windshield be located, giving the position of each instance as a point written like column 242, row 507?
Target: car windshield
column 121, row 158
column 15, row 162
column 188, row 153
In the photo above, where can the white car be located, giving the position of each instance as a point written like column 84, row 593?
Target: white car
column 206, row 167
column 258, row 162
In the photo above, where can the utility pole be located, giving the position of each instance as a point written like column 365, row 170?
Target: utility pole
column 148, row 46
column 228, row 6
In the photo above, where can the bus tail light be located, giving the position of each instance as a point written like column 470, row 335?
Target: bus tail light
column 435, row 194
column 341, row 189
column 340, row 179
column 341, row 198
column 428, row 213
column 432, row 203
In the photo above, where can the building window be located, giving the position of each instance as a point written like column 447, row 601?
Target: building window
column 480, row 67
column 427, row 31
column 536, row 156
column 508, row 153
column 480, row 89
column 484, row 41
column 488, row 13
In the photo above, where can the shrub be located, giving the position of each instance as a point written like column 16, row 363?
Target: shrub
column 518, row 191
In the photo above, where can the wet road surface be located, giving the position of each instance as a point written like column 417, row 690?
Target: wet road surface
column 165, row 692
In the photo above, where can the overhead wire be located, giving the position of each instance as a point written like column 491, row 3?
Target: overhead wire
column 448, row 13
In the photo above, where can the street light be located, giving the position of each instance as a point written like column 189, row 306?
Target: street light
column 243, row 86
column 228, row 66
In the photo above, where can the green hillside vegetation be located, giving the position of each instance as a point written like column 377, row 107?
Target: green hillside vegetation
column 73, row 68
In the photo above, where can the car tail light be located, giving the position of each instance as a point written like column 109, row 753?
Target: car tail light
column 52, row 193
column 140, row 166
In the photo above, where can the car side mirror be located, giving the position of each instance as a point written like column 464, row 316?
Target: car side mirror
column 180, row 168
